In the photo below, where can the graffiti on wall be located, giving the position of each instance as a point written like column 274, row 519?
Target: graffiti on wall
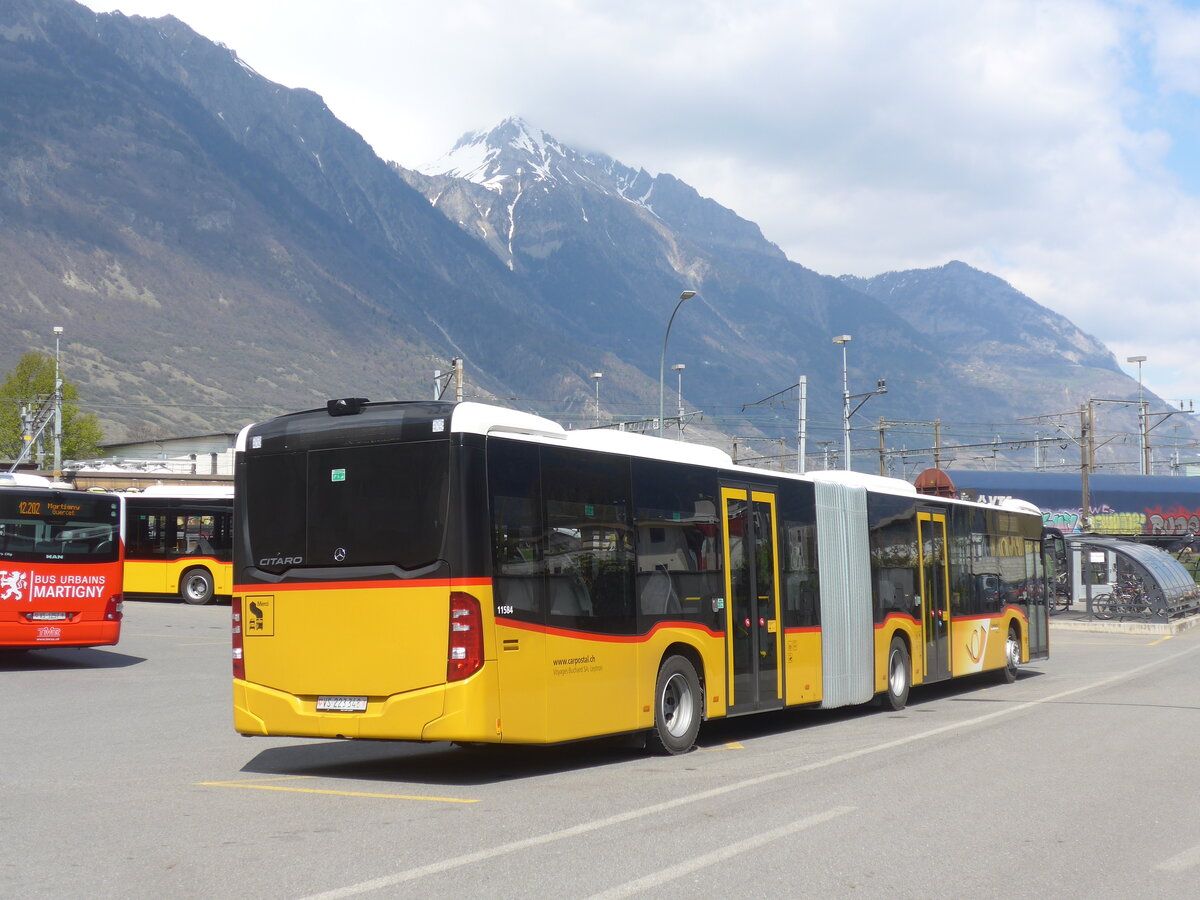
column 1156, row 520
column 1174, row 520
column 1164, row 520
column 1105, row 520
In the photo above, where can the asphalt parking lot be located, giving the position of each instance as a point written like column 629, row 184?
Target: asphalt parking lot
column 123, row 777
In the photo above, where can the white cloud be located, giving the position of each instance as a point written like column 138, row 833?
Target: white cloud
column 1175, row 33
column 1029, row 139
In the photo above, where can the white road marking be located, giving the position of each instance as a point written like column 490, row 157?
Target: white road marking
column 467, row 859
column 657, row 879
column 1182, row 861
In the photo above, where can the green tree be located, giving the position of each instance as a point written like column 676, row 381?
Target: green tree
column 31, row 379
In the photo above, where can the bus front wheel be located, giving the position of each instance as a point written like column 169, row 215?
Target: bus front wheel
column 676, row 707
column 196, row 587
column 899, row 674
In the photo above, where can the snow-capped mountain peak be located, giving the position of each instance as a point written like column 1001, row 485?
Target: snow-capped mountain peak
column 516, row 152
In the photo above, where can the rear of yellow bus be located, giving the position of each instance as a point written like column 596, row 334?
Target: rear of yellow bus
column 359, row 602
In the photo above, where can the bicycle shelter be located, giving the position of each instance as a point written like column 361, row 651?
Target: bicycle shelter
column 1114, row 578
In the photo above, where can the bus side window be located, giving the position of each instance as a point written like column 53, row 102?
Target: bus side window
column 589, row 542
column 518, row 567
column 678, row 544
column 518, row 553
column 894, row 561
column 798, row 555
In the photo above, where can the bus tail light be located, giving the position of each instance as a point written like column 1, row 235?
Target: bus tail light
column 114, row 608
column 239, row 663
column 466, row 637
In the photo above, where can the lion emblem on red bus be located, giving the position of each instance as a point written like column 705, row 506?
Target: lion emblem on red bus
column 13, row 585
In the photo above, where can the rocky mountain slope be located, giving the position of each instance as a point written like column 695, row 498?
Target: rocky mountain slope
column 217, row 246
column 220, row 248
column 994, row 337
column 592, row 234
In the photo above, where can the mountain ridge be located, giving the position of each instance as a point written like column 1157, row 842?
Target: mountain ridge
column 221, row 247
column 905, row 315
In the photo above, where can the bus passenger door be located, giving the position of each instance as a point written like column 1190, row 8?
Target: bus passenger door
column 935, row 593
column 752, row 622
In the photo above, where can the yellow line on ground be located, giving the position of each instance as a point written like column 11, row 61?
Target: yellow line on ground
column 150, row 634
column 1161, row 639
column 258, row 786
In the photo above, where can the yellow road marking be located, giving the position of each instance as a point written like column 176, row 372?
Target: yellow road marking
column 176, row 637
column 732, row 745
column 149, row 634
column 258, row 785
column 1161, row 639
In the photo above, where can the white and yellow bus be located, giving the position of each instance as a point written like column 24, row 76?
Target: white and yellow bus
column 429, row 571
column 179, row 542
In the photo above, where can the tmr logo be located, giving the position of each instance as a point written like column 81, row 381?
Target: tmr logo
column 14, row 585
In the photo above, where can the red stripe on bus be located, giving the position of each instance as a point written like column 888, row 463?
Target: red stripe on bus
column 903, row 617
column 1015, row 610
column 607, row 638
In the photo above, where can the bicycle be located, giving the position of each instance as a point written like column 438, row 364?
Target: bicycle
column 1104, row 606
column 1060, row 600
column 1060, row 595
column 1126, row 602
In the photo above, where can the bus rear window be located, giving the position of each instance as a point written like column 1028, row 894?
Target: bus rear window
column 383, row 504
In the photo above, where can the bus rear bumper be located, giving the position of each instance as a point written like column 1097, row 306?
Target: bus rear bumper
column 51, row 634
column 462, row 711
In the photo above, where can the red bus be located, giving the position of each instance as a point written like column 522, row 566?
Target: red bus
column 60, row 566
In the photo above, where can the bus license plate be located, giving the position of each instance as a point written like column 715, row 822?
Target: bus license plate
column 47, row 616
column 341, row 704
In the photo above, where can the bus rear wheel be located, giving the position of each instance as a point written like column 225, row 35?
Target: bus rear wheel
column 676, row 708
column 899, row 674
column 1012, row 657
column 196, row 587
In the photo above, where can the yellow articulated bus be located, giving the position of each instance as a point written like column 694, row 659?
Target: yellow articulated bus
column 179, row 542
column 429, row 571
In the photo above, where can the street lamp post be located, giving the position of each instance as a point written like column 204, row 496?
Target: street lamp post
column 1143, row 434
column 596, row 376
column 844, row 339
column 662, row 363
column 58, row 392
column 678, row 370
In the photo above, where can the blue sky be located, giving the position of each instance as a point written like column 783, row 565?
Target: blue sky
column 1055, row 144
